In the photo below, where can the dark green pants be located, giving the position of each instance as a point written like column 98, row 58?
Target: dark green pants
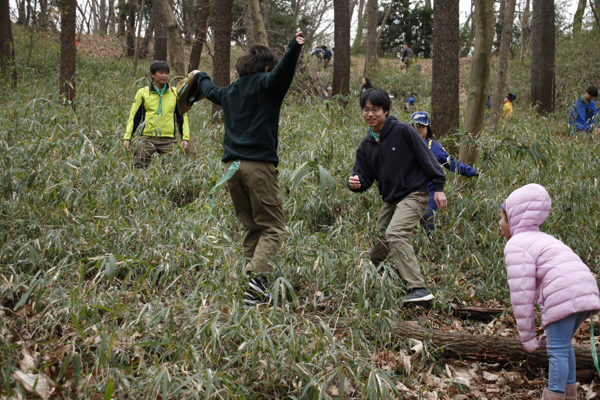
column 254, row 190
column 149, row 145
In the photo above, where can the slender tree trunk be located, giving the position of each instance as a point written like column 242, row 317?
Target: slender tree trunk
column 427, row 3
column 341, row 67
column 67, row 49
column 445, row 105
column 222, row 58
column 7, row 49
column 102, row 17
column 500, row 24
column 111, row 15
column 542, row 55
column 383, row 22
column 22, row 16
column 358, row 39
column 202, row 13
column 43, row 15
column 372, row 45
column 525, row 31
column 160, row 34
column 94, row 17
column 130, row 42
column 250, row 37
column 122, row 17
column 578, row 18
column 137, row 39
column 175, row 43
column 498, row 98
column 260, row 33
column 480, row 78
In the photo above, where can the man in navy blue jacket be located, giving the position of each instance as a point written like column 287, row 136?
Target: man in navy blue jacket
column 583, row 113
column 393, row 154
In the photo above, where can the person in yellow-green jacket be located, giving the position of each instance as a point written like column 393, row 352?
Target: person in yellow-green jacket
column 155, row 110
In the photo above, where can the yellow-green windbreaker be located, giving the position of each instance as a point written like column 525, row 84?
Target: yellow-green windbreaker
column 144, row 109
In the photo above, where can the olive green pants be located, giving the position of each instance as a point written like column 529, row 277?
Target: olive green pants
column 395, row 224
column 254, row 190
column 149, row 145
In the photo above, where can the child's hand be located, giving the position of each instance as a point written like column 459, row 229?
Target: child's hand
column 478, row 171
column 354, row 182
column 543, row 341
column 440, row 200
column 126, row 144
column 299, row 38
column 195, row 72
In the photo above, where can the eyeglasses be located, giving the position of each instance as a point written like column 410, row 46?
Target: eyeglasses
column 375, row 110
column 418, row 126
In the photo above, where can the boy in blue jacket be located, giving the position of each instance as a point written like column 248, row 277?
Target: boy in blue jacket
column 394, row 155
column 422, row 123
column 583, row 113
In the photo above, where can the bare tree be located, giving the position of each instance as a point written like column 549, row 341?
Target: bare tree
column 258, row 25
column 176, row 60
column 7, row 49
column 160, row 34
column 102, row 17
column 542, row 55
column 250, row 37
column 383, row 22
column 122, row 17
column 222, row 58
column 525, row 31
column 201, row 14
column 507, row 30
column 480, row 78
column 130, row 42
column 372, row 45
column 445, row 105
column 67, row 48
column 137, row 40
column 360, row 28
column 341, row 67
column 578, row 17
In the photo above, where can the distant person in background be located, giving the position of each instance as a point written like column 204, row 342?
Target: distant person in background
column 406, row 55
column 507, row 111
column 326, row 55
column 318, row 52
column 583, row 115
column 366, row 84
column 410, row 101
column 422, row 124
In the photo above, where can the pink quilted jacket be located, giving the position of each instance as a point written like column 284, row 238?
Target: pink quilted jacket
column 540, row 267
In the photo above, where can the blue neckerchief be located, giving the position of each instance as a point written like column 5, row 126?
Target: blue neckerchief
column 160, row 93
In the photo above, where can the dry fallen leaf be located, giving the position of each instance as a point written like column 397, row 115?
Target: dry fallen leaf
column 42, row 384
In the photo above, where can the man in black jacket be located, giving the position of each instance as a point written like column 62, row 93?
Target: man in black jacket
column 395, row 155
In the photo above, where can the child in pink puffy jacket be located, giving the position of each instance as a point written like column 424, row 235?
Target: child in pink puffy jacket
column 541, row 268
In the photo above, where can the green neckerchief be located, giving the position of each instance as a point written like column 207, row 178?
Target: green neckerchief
column 593, row 343
column 376, row 135
column 584, row 102
column 228, row 174
column 160, row 93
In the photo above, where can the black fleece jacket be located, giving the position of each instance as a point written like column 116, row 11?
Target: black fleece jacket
column 400, row 162
column 251, row 105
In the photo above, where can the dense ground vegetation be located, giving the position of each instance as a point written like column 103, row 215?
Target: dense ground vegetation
column 120, row 283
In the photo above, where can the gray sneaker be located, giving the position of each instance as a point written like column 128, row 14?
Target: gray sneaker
column 416, row 295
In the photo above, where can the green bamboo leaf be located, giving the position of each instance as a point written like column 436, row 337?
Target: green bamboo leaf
column 109, row 389
column 110, row 267
column 27, row 295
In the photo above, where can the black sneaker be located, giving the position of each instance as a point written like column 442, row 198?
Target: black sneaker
column 416, row 295
column 257, row 290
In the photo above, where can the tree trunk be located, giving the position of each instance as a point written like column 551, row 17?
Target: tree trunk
column 542, row 55
column 372, row 45
column 130, row 42
column 500, row 24
column 7, row 49
column 111, row 16
column 94, row 17
column 358, row 39
column 480, row 78
column 383, row 22
column 102, row 17
column 187, row 12
column 43, row 15
column 175, row 43
column 490, row 348
column 202, row 13
column 122, row 17
column 250, row 37
column 525, row 31
column 137, row 39
column 445, row 105
column 67, row 49
column 147, row 38
column 160, row 34
column 222, row 58
column 260, row 34
column 341, row 67
column 498, row 98
column 578, row 18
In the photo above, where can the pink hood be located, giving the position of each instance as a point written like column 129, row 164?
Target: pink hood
column 541, row 268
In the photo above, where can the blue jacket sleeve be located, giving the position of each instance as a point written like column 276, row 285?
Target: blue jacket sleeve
column 362, row 169
column 429, row 165
column 449, row 162
column 573, row 114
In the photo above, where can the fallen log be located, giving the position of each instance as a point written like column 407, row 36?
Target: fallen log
column 486, row 314
column 486, row 348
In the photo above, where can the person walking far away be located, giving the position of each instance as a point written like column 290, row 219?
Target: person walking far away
column 507, row 110
column 326, row 56
column 395, row 155
column 410, row 101
column 583, row 114
column 251, row 105
column 406, row 56
column 422, row 124
column 366, row 84
column 155, row 108
column 542, row 269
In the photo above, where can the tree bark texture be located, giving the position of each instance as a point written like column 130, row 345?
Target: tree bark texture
column 525, row 31
column 137, row 39
column 480, row 78
column 489, row 348
column 201, row 14
column 341, row 67
column 258, row 25
column 578, row 17
column 445, row 104
column 500, row 24
column 102, row 17
column 160, row 34
column 67, row 48
column 222, row 58
column 7, row 49
column 122, row 17
column 360, row 28
column 507, row 30
column 175, row 43
column 187, row 7
column 542, row 55
column 130, row 42
column 372, row 45
column 250, row 37
column 147, row 38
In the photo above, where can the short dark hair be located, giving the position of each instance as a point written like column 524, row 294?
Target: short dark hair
column 159, row 66
column 377, row 96
column 592, row 91
column 414, row 93
column 256, row 59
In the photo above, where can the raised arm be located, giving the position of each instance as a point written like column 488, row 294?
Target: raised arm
column 211, row 91
column 450, row 163
column 282, row 75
